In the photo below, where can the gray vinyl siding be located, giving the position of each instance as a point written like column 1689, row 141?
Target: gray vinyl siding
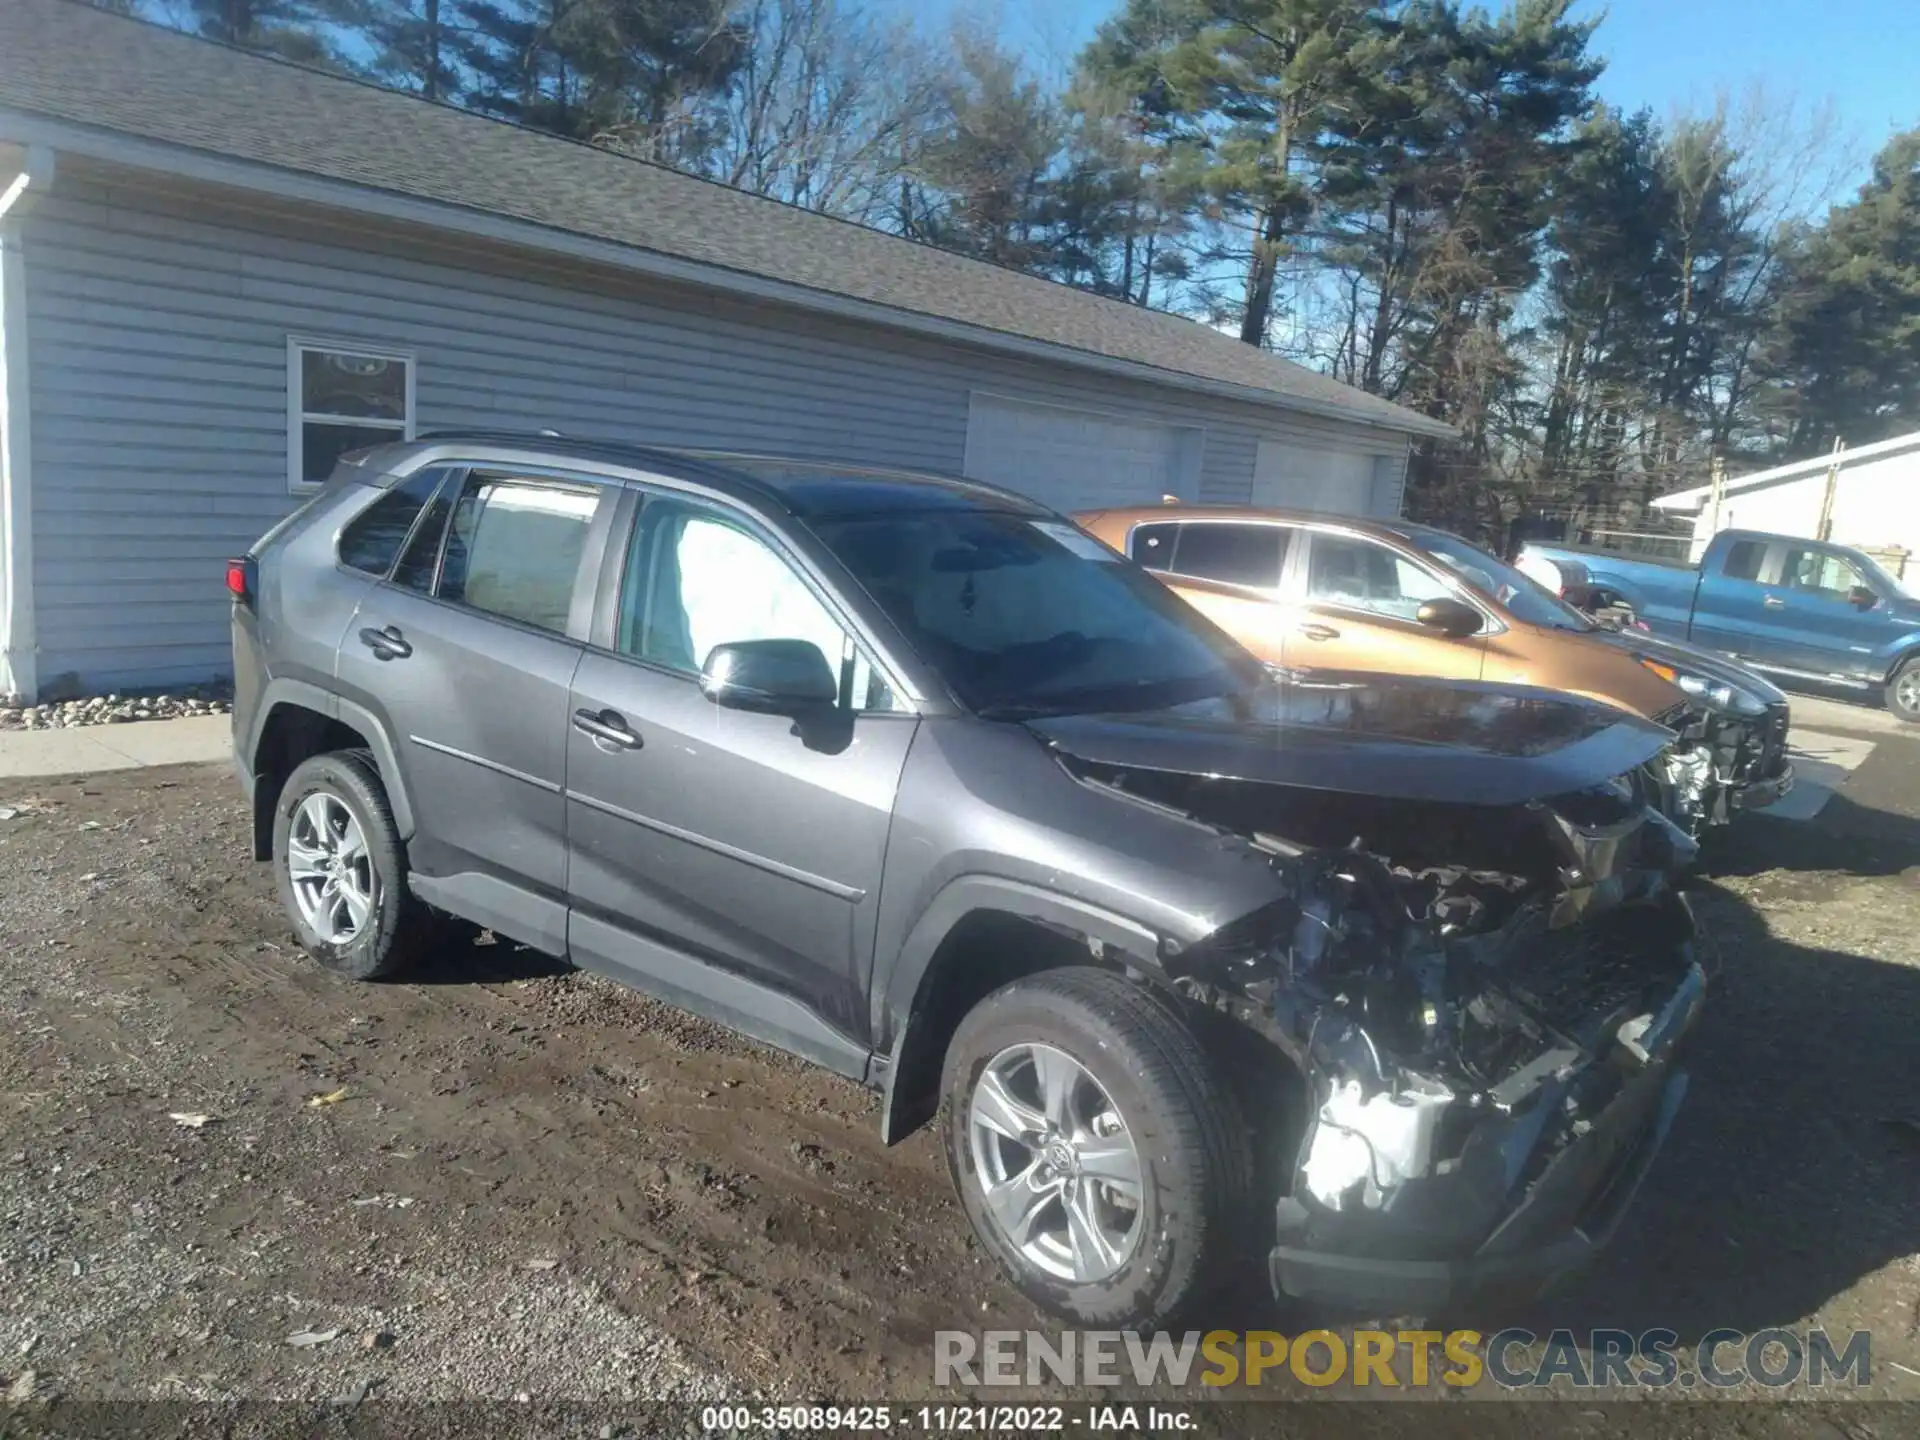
column 159, row 320
column 1394, row 470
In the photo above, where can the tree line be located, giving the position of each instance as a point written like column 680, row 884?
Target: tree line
column 1427, row 200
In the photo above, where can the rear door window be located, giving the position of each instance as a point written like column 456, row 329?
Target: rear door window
column 1237, row 554
column 513, row 548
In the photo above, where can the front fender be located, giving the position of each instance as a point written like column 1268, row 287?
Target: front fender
column 914, row 1056
column 1903, row 649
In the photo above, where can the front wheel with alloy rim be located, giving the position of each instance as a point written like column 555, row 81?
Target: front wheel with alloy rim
column 1903, row 692
column 1099, row 1158
column 341, row 868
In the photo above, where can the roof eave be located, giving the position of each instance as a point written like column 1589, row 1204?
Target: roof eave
column 136, row 152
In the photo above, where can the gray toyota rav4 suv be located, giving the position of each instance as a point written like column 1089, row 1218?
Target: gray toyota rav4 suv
column 1380, row 979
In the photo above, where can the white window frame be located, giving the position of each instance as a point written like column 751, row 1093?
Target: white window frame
column 298, row 415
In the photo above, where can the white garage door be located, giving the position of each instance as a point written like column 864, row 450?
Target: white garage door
column 1298, row 477
column 1078, row 459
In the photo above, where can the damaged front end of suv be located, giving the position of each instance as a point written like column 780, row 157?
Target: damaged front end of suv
column 1484, row 991
column 1719, row 764
column 1729, row 751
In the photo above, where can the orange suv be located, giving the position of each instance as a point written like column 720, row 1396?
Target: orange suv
column 1309, row 591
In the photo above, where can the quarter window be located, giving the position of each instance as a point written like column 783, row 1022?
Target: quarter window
column 1152, row 545
column 1361, row 575
column 513, row 548
column 694, row 580
column 1743, row 560
column 372, row 541
column 341, row 399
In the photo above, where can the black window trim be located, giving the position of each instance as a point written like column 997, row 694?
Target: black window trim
column 603, row 627
column 406, row 544
column 1760, row 570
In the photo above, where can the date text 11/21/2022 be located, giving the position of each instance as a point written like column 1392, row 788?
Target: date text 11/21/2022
column 950, row 1419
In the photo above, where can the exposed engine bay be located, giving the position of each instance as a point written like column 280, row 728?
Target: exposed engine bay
column 1469, row 991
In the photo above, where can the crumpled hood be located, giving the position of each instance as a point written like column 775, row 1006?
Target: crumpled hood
column 1697, row 659
column 1397, row 737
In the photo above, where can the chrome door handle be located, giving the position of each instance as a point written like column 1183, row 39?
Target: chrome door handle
column 1774, row 602
column 607, row 725
column 387, row 644
column 1319, row 632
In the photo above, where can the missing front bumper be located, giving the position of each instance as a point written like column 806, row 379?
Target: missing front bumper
column 1531, row 1196
column 1758, row 794
column 1567, row 1220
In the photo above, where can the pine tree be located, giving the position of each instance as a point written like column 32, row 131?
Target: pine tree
column 296, row 29
column 989, row 167
column 1847, row 364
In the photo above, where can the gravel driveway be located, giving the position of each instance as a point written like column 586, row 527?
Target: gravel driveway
column 225, row 1174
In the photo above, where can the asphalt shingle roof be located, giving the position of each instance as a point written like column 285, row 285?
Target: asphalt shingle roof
column 69, row 62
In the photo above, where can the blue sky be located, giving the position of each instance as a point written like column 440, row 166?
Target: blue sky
column 1864, row 55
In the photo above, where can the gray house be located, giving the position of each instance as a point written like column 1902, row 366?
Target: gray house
column 221, row 271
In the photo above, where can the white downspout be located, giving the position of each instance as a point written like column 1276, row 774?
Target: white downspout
column 17, row 646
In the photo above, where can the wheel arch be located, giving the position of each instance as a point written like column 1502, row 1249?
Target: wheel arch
column 297, row 720
column 979, row 933
column 1906, row 652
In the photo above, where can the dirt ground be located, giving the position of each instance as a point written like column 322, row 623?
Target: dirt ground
column 506, row 1180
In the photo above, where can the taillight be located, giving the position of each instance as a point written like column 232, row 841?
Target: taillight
column 240, row 574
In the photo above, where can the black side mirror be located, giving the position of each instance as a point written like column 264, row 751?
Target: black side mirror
column 1863, row 597
column 1453, row 618
column 774, row 677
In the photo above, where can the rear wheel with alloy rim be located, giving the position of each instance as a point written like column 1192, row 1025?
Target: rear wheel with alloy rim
column 1099, row 1158
column 342, row 868
column 329, row 868
column 1903, row 692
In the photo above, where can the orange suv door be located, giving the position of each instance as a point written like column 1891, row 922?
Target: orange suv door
column 1356, row 604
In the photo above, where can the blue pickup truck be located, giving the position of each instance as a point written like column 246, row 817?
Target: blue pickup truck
column 1803, row 609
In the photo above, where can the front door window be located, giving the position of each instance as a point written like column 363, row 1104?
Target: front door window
column 1358, row 574
column 695, row 579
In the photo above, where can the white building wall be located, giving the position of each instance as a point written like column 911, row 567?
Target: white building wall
column 1876, row 505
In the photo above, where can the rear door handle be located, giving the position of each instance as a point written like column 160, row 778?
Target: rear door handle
column 1319, row 632
column 1774, row 602
column 608, row 725
column 387, row 644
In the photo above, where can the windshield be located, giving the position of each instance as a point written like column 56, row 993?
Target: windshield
column 1525, row 598
column 1026, row 616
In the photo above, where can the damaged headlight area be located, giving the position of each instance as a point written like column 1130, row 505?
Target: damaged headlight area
column 1484, row 1003
column 1719, row 764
